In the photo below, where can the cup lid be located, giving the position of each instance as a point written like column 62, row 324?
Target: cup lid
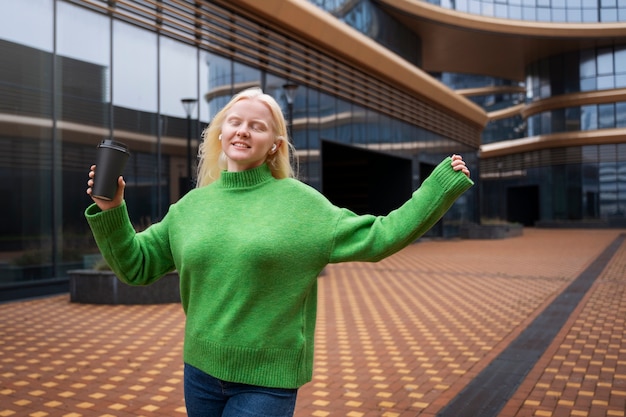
column 114, row 144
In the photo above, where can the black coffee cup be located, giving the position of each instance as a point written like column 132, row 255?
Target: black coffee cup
column 111, row 158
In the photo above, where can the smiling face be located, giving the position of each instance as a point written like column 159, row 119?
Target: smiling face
column 248, row 135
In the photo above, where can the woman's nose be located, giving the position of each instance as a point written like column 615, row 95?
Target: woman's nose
column 243, row 130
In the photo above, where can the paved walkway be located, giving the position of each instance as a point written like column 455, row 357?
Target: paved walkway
column 404, row 337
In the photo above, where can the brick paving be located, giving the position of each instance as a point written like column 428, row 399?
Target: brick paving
column 401, row 337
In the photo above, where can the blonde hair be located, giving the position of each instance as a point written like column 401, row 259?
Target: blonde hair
column 213, row 160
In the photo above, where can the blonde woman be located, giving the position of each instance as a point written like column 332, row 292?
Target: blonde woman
column 249, row 243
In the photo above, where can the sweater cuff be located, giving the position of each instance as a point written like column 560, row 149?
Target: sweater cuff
column 453, row 181
column 104, row 222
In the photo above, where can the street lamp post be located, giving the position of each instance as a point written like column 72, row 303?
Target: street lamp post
column 189, row 105
column 290, row 94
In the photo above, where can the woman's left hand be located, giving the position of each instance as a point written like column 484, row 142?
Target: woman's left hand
column 458, row 164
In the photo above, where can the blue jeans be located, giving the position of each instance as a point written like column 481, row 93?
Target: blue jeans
column 206, row 396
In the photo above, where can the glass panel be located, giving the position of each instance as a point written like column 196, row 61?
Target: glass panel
column 474, row 6
column 83, row 68
column 559, row 15
column 605, row 61
column 328, row 119
column 529, row 13
column 590, row 16
column 544, row 15
column 608, row 15
column 502, row 11
column 462, row 5
column 27, row 160
column 204, row 69
column 606, row 117
column 608, row 186
column 589, row 117
column 309, row 170
column 587, row 63
column 28, row 23
column 621, row 182
column 245, row 76
column 620, row 60
column 134, row 68
column 590, row 181
column 220, row 75
column 83, row 77
column 605, row 82
column 620, row 114
column 135, row 99
column 574, row 16
column 344, row 122
column 178, row 74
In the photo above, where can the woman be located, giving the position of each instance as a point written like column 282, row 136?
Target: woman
column 248, row 244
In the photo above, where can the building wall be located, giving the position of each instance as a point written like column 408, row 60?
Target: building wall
column 76, row 72
column 554, row 149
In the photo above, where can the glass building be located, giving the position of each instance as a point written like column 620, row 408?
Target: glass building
column 551, row 76
column 376, row 93
column 76, row 72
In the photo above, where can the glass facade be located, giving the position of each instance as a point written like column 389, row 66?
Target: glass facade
column 506, row 94
column 578, row 71
column 564, row 184
column 557, row 11
column 367, row 18
column 580, row 118
column 583, row 185
column 73, row 74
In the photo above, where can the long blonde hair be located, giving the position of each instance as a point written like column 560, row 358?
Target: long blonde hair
column 213, row 160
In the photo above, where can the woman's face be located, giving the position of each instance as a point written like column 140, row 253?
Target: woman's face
column 247, row 135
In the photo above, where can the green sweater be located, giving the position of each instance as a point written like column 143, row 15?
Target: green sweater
column 248, row 249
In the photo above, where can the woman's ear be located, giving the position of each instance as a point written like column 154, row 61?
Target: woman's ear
column 275, row 146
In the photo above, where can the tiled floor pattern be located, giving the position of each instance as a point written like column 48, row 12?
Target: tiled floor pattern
column 584, row 373
column 396, row 338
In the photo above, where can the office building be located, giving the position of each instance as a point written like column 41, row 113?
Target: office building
column 376, row 93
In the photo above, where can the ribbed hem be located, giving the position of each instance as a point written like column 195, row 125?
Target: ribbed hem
column 266, row 367
column 114, row 219
column 454, row 182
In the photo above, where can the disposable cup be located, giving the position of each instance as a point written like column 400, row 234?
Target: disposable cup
column 111, row 158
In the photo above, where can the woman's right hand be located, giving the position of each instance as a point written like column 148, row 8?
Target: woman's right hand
column 106, row 204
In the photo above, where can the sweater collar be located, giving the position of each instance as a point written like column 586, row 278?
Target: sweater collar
column 245, row 179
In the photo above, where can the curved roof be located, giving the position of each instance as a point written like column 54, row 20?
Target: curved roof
column 472, row 44
column 330, row 34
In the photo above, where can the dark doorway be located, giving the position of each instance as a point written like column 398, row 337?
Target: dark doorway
column 364, row 181
column 523, row 204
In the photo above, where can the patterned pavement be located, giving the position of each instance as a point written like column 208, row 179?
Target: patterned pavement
column 401, row 337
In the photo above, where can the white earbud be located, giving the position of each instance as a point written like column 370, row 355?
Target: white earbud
column 273, row 148
column 219, row 137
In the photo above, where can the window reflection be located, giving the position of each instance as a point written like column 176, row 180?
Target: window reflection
column 135, row 68
column 28, row 23
column 571, row 11
column 603, row 68
column 178, row 69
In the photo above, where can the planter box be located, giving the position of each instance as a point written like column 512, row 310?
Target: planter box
column 103, row 287
column 491, row 231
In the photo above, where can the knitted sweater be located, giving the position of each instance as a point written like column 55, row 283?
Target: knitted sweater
column 248, row 249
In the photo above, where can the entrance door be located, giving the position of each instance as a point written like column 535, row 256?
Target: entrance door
column 522, row 204
column 364, row 181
